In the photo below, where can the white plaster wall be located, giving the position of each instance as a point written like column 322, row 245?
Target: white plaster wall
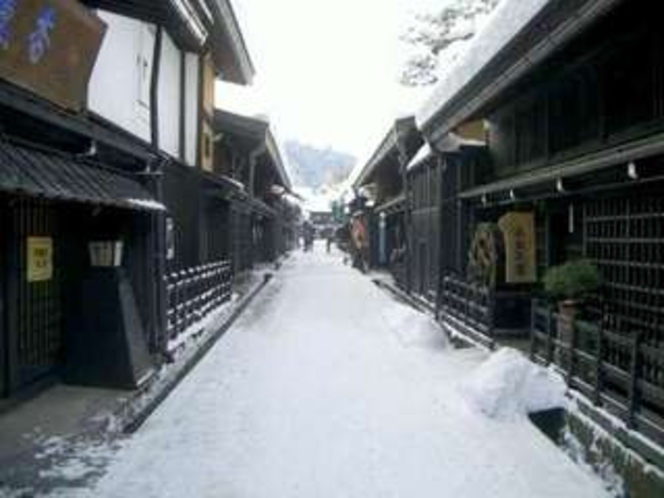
column 191, row 108
column 117, row 86
column 169, row 97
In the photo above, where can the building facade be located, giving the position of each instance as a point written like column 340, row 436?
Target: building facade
column 568, row 97
column 383, row 181
column 112, row 235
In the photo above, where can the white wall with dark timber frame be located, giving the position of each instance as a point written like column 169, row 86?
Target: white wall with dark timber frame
column 169, row 97
column 120, row 83
column 191, row 107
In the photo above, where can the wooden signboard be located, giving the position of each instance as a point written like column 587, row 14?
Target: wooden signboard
column 520, row 253
column 39, row 259
column 50, row 47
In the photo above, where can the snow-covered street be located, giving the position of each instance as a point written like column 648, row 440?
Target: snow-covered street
column 326, row 387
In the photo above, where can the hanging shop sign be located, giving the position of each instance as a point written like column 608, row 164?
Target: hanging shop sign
column 50, row 47
column 485, row 256
column 39, row 259
column 520, row 253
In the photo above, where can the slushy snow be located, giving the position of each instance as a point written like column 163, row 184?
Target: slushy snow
column 325, row 387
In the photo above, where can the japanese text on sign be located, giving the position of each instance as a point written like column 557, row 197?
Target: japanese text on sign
column 39, row 259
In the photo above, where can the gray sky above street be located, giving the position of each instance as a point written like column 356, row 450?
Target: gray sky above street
column 326, row 69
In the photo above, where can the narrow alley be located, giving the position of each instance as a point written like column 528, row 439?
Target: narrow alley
column 326, row 387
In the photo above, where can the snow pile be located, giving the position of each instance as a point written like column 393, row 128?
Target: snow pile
column 413, row 328
column 508, row 385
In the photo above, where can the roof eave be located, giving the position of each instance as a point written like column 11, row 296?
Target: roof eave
column 400, row 130
column 229, row 49
column 275, row 154
column 490, row 82
column 237, row 124
column 387, row 145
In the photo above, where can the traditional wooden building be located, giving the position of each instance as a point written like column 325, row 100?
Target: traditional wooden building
column 262, row 219
column 570, row 95
column 382, row 180
column 437, row 244
column 100, row 102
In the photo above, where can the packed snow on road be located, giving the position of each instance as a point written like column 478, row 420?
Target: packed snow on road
column 328, row 387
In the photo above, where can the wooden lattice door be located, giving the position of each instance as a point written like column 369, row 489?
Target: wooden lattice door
column 35, row 290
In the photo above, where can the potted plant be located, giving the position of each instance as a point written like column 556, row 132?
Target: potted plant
column 569, row 285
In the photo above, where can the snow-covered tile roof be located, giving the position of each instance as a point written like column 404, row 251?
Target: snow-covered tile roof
column 507, row 21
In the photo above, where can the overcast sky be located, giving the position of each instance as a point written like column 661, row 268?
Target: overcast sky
column 326, row 69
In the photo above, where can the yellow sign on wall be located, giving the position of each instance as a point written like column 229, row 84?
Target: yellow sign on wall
column 520, row 255
column 39, row 259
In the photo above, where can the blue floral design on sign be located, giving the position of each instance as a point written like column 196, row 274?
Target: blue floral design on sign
column 7, row 13
column 39, row 40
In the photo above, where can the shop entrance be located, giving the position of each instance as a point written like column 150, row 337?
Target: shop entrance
column 33, row 290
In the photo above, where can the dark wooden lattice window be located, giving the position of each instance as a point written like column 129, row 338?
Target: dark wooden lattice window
column 574, row 110
column 530, row 130
column 625, row 238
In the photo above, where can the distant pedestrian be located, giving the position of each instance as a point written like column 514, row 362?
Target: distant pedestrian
column 308, row 232
column 360, row 243
column 344, row 241
column 329, row 238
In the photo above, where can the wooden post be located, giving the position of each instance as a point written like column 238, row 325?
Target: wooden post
column 533, row 329
column 633, row 396
column 572, row 352
column 13, row 246
column 549, row 334
column 597, row 397
column 491, row 304
column 155, row 257
column 3, row 278
column 467, row 295
column 408, row 229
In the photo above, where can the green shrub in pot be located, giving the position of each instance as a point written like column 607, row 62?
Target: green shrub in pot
column 569, row 284
column 572, row 281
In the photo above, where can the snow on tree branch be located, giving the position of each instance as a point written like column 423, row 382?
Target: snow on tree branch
column 434, row 39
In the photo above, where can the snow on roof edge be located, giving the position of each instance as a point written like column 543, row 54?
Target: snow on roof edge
column 506, row 22
column 422, row 154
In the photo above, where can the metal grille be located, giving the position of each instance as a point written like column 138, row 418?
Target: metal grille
column 39, row 316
